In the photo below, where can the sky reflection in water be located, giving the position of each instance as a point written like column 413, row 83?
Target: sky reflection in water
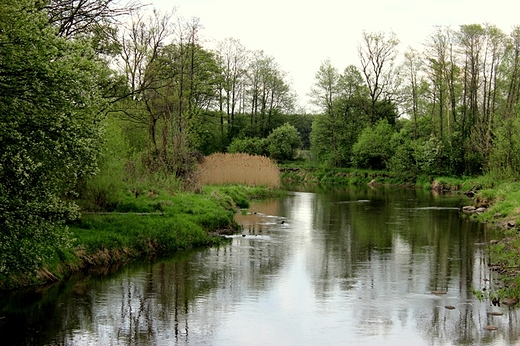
column 331, row 268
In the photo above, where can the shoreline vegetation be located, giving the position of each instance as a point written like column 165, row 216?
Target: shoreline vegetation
column 128, row 114
column 149, row 226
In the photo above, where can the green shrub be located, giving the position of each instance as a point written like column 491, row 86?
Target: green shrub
column 374, row 147
column 284, row 142
column 251, row 146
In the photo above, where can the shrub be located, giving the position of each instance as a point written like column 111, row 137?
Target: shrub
column 403, row 160
column 284, row 142
column 374, row 148
column 248, row 145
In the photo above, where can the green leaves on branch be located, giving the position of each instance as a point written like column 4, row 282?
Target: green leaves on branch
column 49, row 101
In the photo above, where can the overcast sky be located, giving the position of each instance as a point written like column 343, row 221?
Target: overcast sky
column 301, row 34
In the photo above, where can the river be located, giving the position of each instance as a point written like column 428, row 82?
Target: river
column 350, row 266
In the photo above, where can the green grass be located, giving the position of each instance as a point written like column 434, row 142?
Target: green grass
column 297, row 173
column 153, row 224
column 159, row 223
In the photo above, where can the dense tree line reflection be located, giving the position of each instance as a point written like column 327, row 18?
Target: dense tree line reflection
column 368, row 259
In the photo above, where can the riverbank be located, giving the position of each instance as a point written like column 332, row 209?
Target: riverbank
column 146, row 225
column 497, row 203
column 501, row 209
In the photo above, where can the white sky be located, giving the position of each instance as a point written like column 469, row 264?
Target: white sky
column 301, row 34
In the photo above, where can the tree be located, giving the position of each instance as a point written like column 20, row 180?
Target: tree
column 325, row 89
column 268, row 93
column 377, row 54
column 413, row 88
column 80, row 17
column 324, row 93
column 437, row 65
column 141, row 46
column 504, row 158
column 344, row 100
column 49, row 134
column 232, row 58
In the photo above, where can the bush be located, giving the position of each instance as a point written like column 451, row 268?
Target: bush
column 248, row 145
column 403, row 160
column 284, row 142
column 103, row 191
column 504, row 159
column 374, row 147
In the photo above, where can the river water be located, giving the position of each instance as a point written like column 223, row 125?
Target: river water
column 341, row 267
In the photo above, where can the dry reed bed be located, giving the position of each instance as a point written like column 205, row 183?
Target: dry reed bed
column 239, row 169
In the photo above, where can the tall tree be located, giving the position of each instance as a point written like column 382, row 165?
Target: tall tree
column 504, row 156
column 267, row 91
column 512, row 64
column 437, row 66
column 325, row 89
column 141, row 44
column 232, row 57
column 324, row 93
column 345, row 105
column 377, row 54
column 412, row 66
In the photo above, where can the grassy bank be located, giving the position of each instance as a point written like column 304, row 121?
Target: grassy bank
column 147, row 225
column 297, row 174
column 158, row 224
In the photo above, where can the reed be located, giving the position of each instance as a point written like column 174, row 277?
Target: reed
column 218, row 169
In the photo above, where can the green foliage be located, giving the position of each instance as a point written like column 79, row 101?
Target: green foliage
column 333, row 137
column 429, row 156
column 385, row 110
column 504, row 160
column 248, row 145
column 403, row 160
column 374, row 146
column 322, row 132
column 345, row 103
column 49, row 133
column 102, row 192
column 303, row 123
column 283, row 142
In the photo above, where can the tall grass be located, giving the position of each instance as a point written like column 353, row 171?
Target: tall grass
column 244, row 169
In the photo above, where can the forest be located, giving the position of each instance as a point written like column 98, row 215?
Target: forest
column 98, row 97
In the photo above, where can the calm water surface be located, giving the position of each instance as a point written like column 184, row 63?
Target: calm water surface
column 342, row 267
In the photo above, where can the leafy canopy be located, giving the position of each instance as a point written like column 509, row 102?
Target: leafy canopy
column 49, row 98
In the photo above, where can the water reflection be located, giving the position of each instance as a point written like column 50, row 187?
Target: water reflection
column 352, row 266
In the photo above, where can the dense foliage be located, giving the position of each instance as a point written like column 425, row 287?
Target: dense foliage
column 49, row 133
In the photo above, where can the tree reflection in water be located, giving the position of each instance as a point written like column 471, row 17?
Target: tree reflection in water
column 350, row 266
